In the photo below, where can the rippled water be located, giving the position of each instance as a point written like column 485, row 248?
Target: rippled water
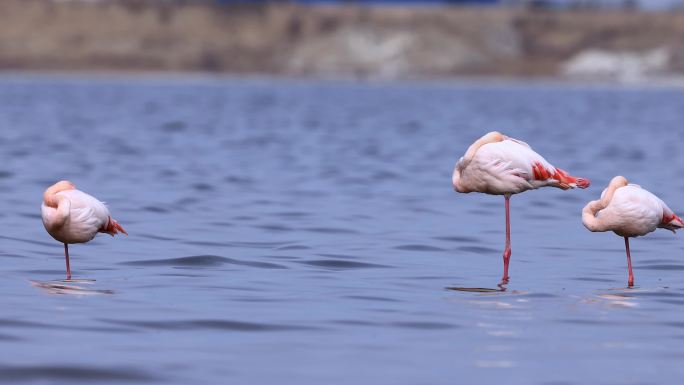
column 306, row 232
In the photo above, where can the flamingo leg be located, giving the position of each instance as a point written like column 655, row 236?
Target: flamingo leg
column 66, row 255
column 507, row 250
column 630, row 281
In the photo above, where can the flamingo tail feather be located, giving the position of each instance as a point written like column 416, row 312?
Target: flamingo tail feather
column 565, row 180
column 113, row 227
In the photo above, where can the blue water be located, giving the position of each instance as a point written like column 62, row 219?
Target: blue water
column 306, row 233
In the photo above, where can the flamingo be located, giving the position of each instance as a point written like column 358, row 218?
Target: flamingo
column 628, row 210
column 499, row 165
column 72, row 216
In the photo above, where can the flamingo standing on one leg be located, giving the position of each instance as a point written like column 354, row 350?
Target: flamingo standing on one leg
column 72, row 216
column 499, row 165
column 629, row 211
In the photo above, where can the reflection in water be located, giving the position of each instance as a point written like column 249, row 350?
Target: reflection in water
column 71, row 286
column 501, row 288
column 489, row 298
column 632, row 297
column 624, row 297
column 618, row 300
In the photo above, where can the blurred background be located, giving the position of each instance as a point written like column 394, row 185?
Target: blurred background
column 625, row 40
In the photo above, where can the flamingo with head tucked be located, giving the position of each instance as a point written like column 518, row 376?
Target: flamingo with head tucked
column 629, row 211
column 72, row 216
column 499, row 165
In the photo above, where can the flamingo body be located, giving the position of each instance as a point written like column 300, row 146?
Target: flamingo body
column 629, row 210
column 498, row 165
column 72, row 216
column 85, row 217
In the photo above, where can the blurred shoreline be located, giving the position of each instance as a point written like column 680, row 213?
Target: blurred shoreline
column 174, row 78
column 341, row 42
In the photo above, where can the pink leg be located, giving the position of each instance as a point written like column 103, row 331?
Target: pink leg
column 507, row 250
column 630, row 281
column 66, row 254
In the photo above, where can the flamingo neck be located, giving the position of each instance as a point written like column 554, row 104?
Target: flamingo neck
column 462, row 163
column 615, row 183
column 590, row 211
column 589, row 216
column 491, row 137
column 50, row 195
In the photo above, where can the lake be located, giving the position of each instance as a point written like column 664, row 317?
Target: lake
column 306, row 232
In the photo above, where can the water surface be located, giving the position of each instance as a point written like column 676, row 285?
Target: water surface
column 306, row 232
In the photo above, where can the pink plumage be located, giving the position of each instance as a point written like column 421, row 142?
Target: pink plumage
column 72, row 216
column 499, row 165
column 628, row 210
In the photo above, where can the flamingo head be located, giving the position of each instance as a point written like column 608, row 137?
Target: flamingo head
column 456, row 176
column 464, row 161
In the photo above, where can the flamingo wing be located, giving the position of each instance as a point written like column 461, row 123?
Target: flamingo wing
column 88, row 215
column 497, row 164
column 632, row 212
column 513, row 167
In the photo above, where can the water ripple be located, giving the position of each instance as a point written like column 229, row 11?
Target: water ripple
column 202, row 261
column 661, row 267
column 52, row 373
column 31, row 241
column 372, row 298
column 256, row 245
column 331, row 255
column 589, row 279
column 292, row 214
column 340, row 264
column 458, row 239
column 5, row 322
column 354, row 322
column 211, row 324
column 12, row 255
column 274, row 227
column 330, row 230
column 7, row 337
column 478, row 249
column 174, row 126
column 156, row 237
column 155, row 209
column 294, row 247
column 424, row 325
column 584, row 322
column 418, row 247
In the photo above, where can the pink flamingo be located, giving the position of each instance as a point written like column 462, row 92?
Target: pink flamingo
column 629, row 211
column 498, row 165
column 72, row 216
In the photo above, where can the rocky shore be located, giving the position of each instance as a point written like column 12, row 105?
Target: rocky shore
column 389, row 42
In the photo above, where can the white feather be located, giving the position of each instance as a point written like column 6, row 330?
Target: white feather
column 85, row 217
column 633, row 211
column 503, row 167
